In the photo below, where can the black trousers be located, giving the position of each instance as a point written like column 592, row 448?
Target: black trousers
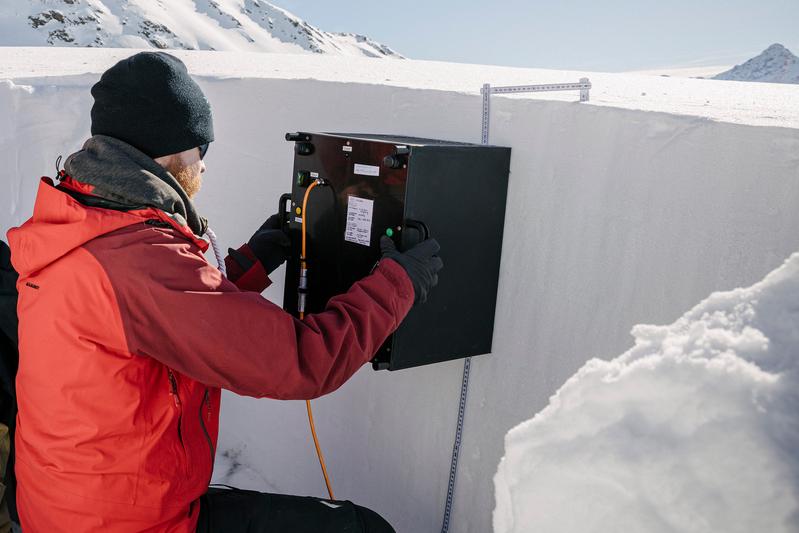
column 230, row 510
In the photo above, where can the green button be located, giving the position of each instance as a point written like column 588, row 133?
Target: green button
column 303, row 177
column 389, row 232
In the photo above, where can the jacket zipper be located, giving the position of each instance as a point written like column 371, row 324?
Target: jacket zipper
column 207, row 402
column 174, row 392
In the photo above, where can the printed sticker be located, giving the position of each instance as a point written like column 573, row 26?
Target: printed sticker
column 359, row 220
column 347, row 148
column 367, row 170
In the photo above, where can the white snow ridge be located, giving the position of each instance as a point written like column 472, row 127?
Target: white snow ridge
column 232, row 25
column 695, row 429
column 775, row 65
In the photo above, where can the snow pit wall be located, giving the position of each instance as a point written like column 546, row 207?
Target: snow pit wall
column 614, row 217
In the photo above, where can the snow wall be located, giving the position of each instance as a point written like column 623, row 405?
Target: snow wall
column 615, row 217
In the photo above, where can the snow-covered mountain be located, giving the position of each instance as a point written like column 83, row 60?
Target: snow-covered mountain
column 241, row 25
column 775, row 65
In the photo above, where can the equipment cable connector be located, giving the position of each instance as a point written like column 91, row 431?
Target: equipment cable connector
column 303, row 287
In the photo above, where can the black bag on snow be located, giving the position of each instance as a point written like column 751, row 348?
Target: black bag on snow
column 9, row 361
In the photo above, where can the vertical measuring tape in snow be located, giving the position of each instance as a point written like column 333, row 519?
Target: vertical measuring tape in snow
column 584, row 86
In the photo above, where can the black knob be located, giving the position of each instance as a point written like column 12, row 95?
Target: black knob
column 303, row 148
column 394, row 161
column 298, row 136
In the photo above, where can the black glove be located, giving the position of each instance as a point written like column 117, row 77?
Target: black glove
column 270, row 244
column 420, row 262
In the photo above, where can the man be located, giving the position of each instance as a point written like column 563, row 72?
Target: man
column 127, row 333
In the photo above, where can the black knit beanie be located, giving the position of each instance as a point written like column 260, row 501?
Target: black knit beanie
column 149, row 101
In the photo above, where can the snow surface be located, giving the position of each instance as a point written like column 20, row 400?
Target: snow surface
column 751, row 103
column 233, row 25
column 695, row 429
column 703, row 72
column 615, row 217
column 775, row 65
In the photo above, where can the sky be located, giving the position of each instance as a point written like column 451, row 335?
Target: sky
column 607, row 35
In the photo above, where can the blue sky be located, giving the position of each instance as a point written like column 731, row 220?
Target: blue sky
column 604, row 35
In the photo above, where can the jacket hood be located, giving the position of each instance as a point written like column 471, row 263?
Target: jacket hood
column 107, row 169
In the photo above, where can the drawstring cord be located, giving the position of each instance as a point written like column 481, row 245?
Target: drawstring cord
column 220, row 261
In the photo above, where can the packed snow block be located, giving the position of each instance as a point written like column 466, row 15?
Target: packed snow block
column 694, row 429
column 409, row 189
column 40, row 121
column 625, row 210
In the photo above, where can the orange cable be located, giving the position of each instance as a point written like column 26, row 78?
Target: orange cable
column 303, row 265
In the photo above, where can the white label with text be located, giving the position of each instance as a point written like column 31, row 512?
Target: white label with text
column 367, row 170
column 359, row 220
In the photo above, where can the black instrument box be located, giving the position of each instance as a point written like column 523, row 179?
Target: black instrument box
column 405, row 187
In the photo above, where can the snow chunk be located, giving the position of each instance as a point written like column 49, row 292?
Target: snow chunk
column 693, row 429
column 11, row 86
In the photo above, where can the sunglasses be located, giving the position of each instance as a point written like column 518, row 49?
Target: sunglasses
column 203, row 148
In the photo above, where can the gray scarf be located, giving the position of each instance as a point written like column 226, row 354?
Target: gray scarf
column 124, row 175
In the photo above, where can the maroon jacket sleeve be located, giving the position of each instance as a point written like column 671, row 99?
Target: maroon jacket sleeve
column 178, row 309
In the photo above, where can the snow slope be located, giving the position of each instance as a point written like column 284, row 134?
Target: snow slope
column 240, row 25
column 775, row 65
column 756, row 104
column 695, row 429
column 626, row 210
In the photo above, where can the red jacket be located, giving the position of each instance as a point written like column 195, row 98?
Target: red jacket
column 127, row 335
